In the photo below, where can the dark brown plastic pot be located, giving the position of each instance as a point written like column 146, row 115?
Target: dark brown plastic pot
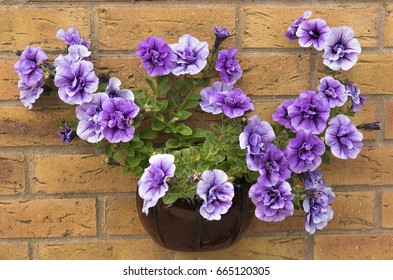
column 180, row 227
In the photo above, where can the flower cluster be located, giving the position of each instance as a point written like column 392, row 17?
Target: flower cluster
column 146, row 131
column 310, row 127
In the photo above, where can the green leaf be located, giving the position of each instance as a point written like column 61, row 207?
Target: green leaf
column 148, row 133
column 325, row 158
column 156, row 125
column 208, row 147
column 194, row 96
column 190, row 104
column 199, row 133
column 183, row 115
column 163, row 104
column 174, row 97
column 180, row 85
column 170, row 198
column 172, row 144
column 150, row 83
column 211, row 136
column 163, row 89
column 133, row 161
column 184, row 130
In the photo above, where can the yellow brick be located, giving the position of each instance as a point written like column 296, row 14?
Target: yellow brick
column 38, row 26
column 78, row 174
column 122, row 28
column 372, row 167
column 8, row 80
column 134, row 249
column 353, row 210
column 14, row 251
column 274, row 74
column 12, row 175
column 387, row 210
column 353, row 247
column 366, row 74
column 47, row 218
column 121, row 216
column 22, row 127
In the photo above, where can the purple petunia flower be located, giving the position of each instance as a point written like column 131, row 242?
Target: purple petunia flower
column 333, row 91
column 312, row 179
column 221, row 35
column 309, row 112
column 216, row 192
column 116, row 118
column 89, row 128
column 273, row 203
column 234, row 103
column 71, row 37
column 273, row 167
column 342, row 49
column 28, row 66
column 313, row 32
column 207, row 103
column 317, row 204
column 153, row 183
column 68, row 134
column 256, row 137
column 191, row 55
column 354, row 92
column 76, row 82
column 343, row 138
column 291, row 32
column 281, row 114
column 75, row 53
column 228, row 66
column 305, row 151
column 29, row 94
column 113, row 90
column 157, row 56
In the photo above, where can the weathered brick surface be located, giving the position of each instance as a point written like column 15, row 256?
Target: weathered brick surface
column 78, row 174
column 121, row 216
column 8, row 80
column 372, row 167
column 387, row 209
column 274, row 74
column 265, row 109
column 261, row 248
column 367, row 114
column 388, row 32
column 121, row 28
column 47, row 218
column 353, row 210
column 366, row 74
column 38, row 26
column 264, row 26
column 14, row 251
column 388, row 129
column 102, row 250
column 12, row 175
column 354, row 247
column 22, row 127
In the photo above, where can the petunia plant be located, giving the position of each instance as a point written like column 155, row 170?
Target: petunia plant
column 148, row 131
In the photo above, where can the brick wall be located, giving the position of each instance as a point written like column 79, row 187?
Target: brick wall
column 63, row 202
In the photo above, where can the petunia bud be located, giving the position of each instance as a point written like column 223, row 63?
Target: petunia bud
column 370, row 126
column 221, row 35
